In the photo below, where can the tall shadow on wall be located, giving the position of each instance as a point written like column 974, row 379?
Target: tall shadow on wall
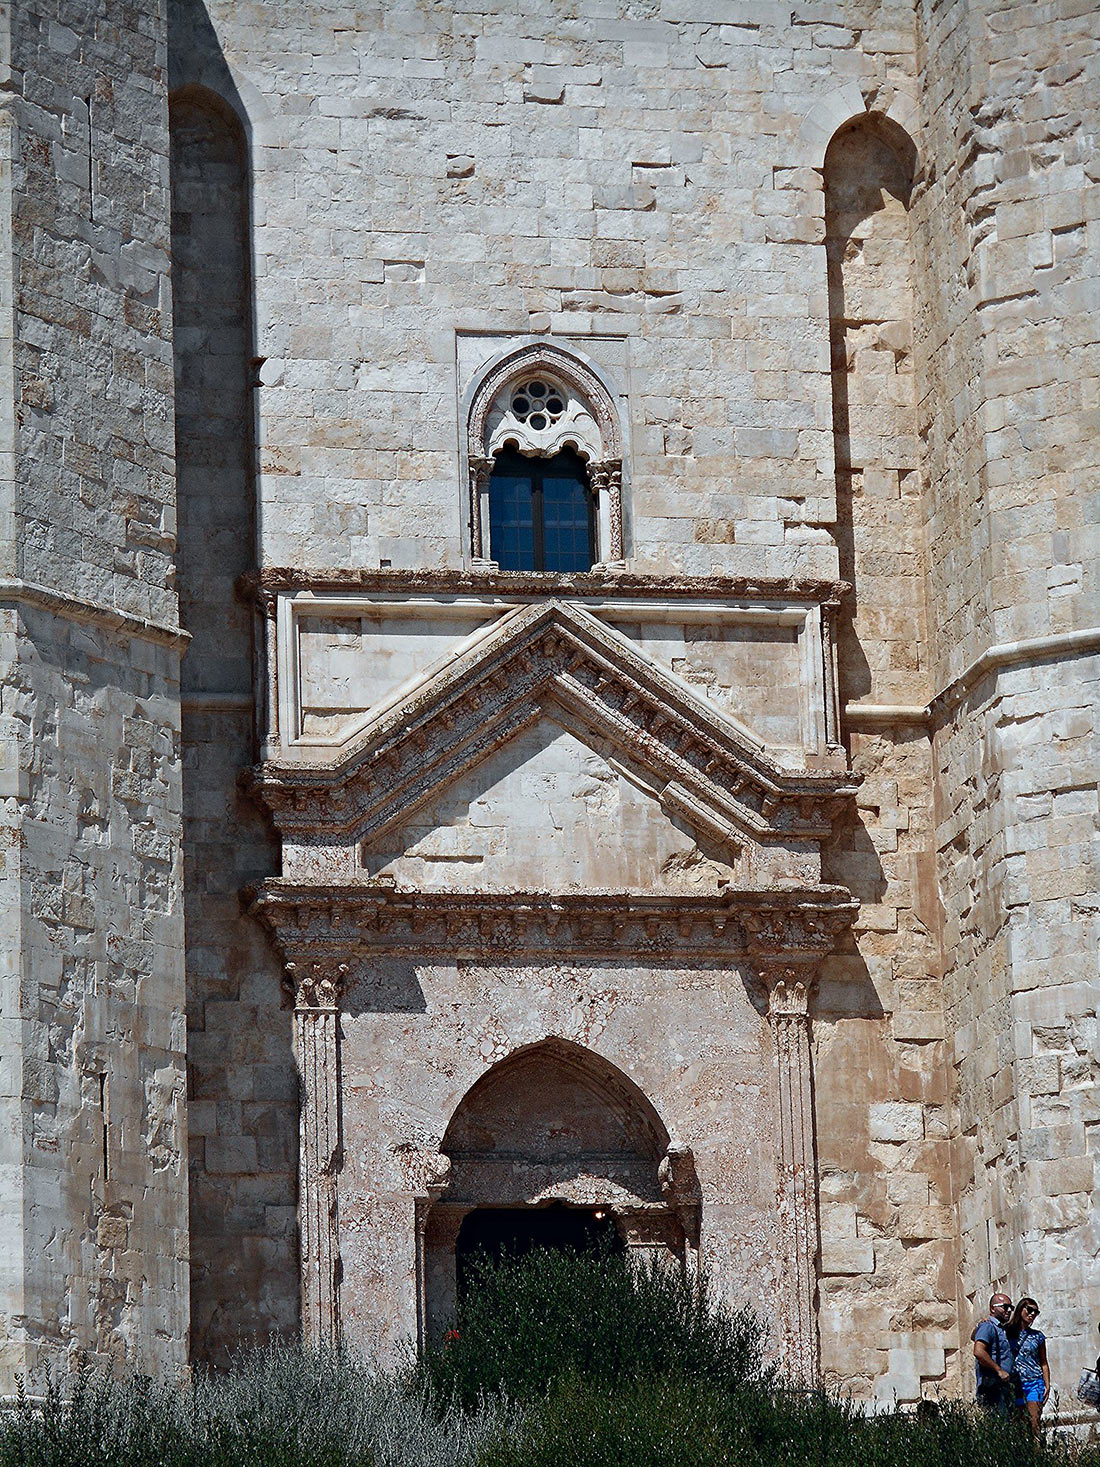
column 243, row 1096
column 869, row 169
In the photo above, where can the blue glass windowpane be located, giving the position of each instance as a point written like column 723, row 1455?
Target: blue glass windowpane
column 540, row 513
column 511, row 523
column 565, row 523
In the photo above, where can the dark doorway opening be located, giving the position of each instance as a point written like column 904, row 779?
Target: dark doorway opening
column 510, row 1232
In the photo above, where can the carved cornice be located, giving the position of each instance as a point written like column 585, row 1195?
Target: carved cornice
column 701, row 767
column 598, row 582
column 322, row 925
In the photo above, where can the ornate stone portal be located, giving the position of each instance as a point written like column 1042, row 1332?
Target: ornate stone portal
column 733, row 910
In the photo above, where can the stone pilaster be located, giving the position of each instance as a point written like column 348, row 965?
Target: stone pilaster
column 829, row 611
column 317, row 988
column 797, row 1191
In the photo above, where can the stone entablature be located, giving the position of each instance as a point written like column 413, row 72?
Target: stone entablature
column 322, row 927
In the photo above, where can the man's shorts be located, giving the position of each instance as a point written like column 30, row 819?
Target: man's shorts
column 994, row 1395
column 1030, row 1390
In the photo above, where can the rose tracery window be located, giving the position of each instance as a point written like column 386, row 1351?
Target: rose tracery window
column 545, row 462
column 537, row 403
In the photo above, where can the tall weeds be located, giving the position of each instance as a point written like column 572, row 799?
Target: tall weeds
column 559, row 1361
column 278, row 1407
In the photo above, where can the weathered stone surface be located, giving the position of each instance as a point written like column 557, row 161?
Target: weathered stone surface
column 802, row 773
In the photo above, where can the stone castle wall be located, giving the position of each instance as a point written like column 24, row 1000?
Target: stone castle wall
column 834, row 267
column 95, row 1211
column 1010, row 339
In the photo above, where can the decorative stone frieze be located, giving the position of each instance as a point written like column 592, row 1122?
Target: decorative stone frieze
column 325, row 924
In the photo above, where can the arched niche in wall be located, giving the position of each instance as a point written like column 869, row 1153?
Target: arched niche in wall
column 212, row 348
column 869, row 172
column 545, row 456
column 226, row 840
column 554, row 1144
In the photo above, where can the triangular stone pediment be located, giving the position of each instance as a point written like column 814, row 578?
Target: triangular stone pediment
column 550, row 810
column 559, row 662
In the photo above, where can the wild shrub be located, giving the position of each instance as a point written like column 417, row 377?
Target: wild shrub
column 674, row 1422
column 550, row 1315
column 620, row 1366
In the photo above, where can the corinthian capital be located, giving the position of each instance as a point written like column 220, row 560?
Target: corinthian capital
column 316, row 983
column 788, row 986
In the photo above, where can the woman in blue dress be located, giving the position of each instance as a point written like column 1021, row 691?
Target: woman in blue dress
column 1031, row 1374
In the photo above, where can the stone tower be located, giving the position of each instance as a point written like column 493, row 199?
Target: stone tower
column 631, row 518
column 94, row 1051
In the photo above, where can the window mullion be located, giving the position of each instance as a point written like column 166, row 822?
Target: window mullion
column 538, row 527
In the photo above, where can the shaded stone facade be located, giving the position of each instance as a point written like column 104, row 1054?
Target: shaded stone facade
column 738, row 882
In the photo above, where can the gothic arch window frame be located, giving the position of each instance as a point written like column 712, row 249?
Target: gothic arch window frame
column 604, row 463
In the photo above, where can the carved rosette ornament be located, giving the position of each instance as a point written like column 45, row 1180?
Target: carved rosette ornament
column 317, row 987
column 788, row 989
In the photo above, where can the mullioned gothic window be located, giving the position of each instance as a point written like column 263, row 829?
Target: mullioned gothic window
column 545, row 458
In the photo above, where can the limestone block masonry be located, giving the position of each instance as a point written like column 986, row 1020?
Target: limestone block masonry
column 550, row 658
column 94, row 1046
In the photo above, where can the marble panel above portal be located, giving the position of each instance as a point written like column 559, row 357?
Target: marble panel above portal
column 344, row 661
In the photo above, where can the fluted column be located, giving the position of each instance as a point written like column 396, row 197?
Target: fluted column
column 317, row 988
column 797, row 1189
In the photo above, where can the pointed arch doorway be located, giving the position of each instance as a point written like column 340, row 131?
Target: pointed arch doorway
column 554, row 1147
